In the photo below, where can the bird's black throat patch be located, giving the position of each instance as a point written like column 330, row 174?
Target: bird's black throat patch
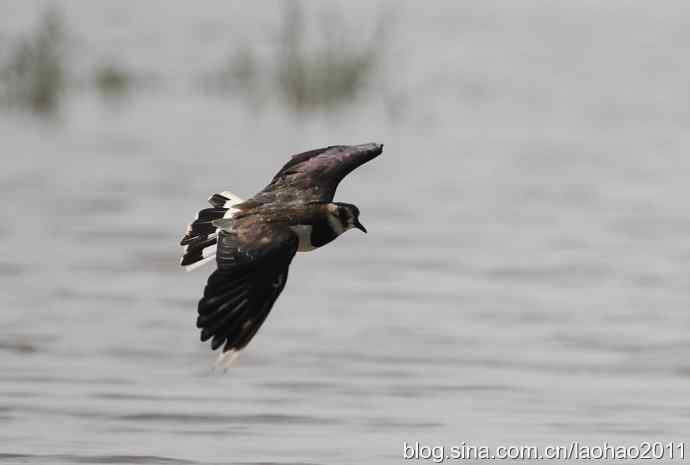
column 322, row 233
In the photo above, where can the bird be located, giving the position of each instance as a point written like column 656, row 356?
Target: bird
column 254, row 241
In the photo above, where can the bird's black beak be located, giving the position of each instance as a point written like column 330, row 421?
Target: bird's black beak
column 359, row 226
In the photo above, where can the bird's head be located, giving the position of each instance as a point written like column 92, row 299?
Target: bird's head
column 346, row 216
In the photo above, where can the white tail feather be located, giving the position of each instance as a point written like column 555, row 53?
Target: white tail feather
column 200, row 263
column 232, row 201
column 209, row 252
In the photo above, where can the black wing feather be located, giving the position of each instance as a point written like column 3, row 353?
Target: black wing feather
column 314, row 176
column 253, row 262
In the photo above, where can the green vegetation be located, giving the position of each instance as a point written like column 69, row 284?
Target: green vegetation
column 112, row 80
column 34, row 76
column 324, row 73
column 318, row 63
column 327, row 75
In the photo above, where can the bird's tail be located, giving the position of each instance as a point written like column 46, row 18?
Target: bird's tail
column 200, row 240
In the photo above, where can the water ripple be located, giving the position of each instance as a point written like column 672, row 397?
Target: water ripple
column 269, row 418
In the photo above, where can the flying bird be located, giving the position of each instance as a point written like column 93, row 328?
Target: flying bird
column 254, row 241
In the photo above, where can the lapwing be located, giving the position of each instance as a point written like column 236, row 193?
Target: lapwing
column 254, row 241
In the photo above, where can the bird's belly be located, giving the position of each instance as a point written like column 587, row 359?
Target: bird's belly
column 304, row 234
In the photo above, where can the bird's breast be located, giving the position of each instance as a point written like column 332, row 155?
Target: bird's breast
column 304, row 234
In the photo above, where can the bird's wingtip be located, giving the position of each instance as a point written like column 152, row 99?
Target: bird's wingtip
column 373, row 147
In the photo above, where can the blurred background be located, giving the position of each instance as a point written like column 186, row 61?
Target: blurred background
column 525, row 279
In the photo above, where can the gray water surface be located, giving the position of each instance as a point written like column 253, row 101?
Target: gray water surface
column 525, row 279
